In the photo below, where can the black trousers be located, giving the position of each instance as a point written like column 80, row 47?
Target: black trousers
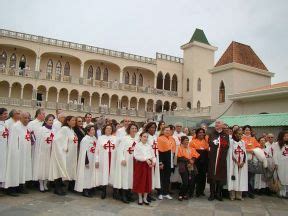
column 216, row 188
column 251, row 179
column 188, row 183
column 200, row 180
column 165, row 173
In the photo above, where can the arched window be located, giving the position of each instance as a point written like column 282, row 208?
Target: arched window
column 198, row 105
column 189, row 105
column 126, row 78
column 159, row 81
column 167, row 82
column 105, row 75
column 134, row 79
column 22, row 62
column 188, row 85
column 199, row 84
column 98, row 73
column 58, row 68
column 13, row 59
column 140, row 80
column 173, row 106
column 90, row 72
column 49, row 69
column 222, row 92
column 174, row 83
column 3, row 59
column 67, row 69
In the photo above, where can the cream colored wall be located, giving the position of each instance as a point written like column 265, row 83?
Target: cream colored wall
column 148, row 76
column 113, row 70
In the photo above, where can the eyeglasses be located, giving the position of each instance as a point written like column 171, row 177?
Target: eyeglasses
column 271, row 137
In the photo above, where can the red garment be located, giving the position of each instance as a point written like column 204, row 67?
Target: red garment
column 142, row 177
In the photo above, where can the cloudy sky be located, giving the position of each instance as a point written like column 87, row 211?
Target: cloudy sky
column 150, row 26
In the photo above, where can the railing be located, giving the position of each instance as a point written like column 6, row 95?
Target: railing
column 77, row 46
column 202, row 111
column 169, row 58
column 91, row 82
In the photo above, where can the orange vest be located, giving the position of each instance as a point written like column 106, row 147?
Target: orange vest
column 165, row 143
column 199, row 144
column 250, row 143
column 187, row 153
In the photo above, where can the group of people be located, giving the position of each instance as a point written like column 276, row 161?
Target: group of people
column 75, row 154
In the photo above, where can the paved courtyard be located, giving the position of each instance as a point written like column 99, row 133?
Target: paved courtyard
column 36, row 203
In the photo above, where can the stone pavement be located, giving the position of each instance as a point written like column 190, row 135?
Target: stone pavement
column 44, row 204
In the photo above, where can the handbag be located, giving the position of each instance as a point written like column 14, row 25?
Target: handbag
column 256, row 167
column 275, row 183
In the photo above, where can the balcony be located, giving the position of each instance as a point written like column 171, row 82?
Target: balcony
column 88, row 82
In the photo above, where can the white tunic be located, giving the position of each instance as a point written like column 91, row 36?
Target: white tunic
column 4, row 134
column 9, row 123
column 35, row 127
column 86, row 175
column 46, row 137
column 56, row 125
column 107, row 159
column 123, row 177
column 281, row 159
column 63, row 164
column 152, row 140
column 19, row 165
column 237, row 151
column 143, row 152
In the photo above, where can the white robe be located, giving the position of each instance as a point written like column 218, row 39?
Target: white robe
column 87, row 176
column 152, row 140
column 123, row 176
column 9, row 123
column 56, row 125
column 43, row 159
column 106, row 145
column 63, row 164
column 35, row 127
column 281, row 159
column 4, row 134
column 19, row 165
column 237, row 151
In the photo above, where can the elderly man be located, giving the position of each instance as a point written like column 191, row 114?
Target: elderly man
column 58, row 122
column 14, row 116
column 217, row 168
column 19, row 165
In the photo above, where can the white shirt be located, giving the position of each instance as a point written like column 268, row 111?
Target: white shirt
column 143, row 152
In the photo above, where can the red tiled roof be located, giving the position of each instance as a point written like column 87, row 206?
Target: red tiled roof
column 242, row 54
column 273, row 86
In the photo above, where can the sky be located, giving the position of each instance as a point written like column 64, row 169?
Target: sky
column 150, row 26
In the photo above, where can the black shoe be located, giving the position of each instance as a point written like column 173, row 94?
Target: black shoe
column 22, row 189
column 59, row 192
column 219, row 198
column 211, row 198
column 103, row 194
column 124, row 195
column 140, row 203
column 251, row 195
column 86, row 193
column 12, row 192
column 116, row 195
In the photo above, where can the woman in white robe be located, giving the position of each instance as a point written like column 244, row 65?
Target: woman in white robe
column 123, row 177
column 43, row 154
column 237, row 168
column 63, row 164
column 107, row 159
column 4, row 133
column 280, row 155
column 88, row 163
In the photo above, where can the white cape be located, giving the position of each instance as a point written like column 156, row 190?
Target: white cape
column 152, row 140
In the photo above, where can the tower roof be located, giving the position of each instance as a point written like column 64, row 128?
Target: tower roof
column 199, row 36
column 242, row 54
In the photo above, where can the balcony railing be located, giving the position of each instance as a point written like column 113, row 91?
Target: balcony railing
column 90, row 82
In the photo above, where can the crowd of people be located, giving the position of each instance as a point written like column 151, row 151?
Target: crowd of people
column 77, row 154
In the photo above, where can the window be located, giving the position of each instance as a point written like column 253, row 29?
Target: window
column 105, row 75
column 167, row 82
column 134, row 79
column 174, row 83
column 222, row 92
column 159, row 80
column 198, row 105
column 90, row 72
column 199, row 84
column 3, row 59
column 98, row 73
column 22, row 63
column 13, row 59
column 189, row 105
column 126, row 78
column 58, row 68
column 49, row 69
column 140, row 80
column 188, row 85
column 67, row 69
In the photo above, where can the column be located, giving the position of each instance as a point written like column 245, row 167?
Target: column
column 154, row 107
column 163, row 81
column 128, row 105
column 34, row 94
column 21, row 97
column 82, row 71
column 155, row 81
column 170, row 84
column 137, row 106
column 109, row 103
column 9, row 94
column 121, row 76
column 37, row 63
column 145, row 107
column 46, row 96
column 119, row 104
column 90, row 101
column 57, row 99
column 162, row 107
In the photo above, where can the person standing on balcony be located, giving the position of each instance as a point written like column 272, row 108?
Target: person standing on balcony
column 88, row 120
column 19, row 165
column 46, row 137
column 4, row 134
column 34, row 127
column 123, row 177
column 63, row 165
column 14, row 116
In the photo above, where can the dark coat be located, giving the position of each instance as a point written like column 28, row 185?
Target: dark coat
column 218, row 173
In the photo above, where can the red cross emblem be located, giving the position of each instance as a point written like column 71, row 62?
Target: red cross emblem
column 285, row 152
column 239, row 151
column 131, row 148
column 28, row 135
column 50, row 138
column 154, row 147
column 92, row 149
column 109, row 146
column 5, row 133
column 75, row 140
